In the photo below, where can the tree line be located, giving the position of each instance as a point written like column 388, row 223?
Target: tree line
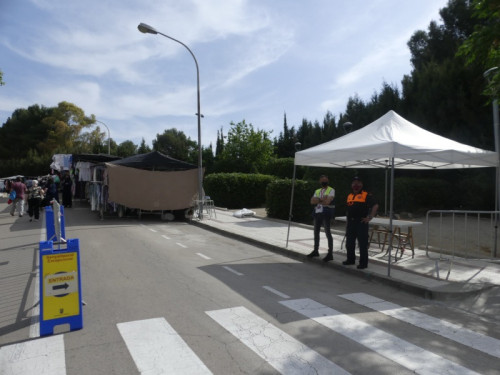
column 445, row 93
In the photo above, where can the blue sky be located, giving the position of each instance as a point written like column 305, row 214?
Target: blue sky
column 258, row 59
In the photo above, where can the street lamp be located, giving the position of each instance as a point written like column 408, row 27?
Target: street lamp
column 347, row 127
column 496, row 134
column 143, row 28
column 109, row 137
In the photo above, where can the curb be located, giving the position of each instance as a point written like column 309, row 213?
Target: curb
column 451, row 291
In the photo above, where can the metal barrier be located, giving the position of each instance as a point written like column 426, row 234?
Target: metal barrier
column 469, row 234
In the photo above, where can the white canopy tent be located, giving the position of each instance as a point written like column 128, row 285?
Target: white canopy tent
column 395, row 142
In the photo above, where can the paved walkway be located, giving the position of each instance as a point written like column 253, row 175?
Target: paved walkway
column 423, row 275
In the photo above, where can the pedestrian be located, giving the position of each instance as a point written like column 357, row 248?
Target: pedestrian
column 361, row 208
column 20, row 188
column 35, row 195
column 51, row 192
column 324, row 212
column 66, row 191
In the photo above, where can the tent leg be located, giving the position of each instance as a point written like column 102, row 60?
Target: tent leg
column 391, row 232
column 291, row 205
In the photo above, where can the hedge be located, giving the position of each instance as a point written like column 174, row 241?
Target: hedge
column 237, row 190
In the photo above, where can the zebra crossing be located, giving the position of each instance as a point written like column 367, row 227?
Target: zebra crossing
column 149, row 340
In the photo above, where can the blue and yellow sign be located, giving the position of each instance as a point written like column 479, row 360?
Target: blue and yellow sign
column 60, row 287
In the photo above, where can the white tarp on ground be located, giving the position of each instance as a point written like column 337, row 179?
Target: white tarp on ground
column 391, row 136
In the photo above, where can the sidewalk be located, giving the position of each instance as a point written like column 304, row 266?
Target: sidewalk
column 420, row 275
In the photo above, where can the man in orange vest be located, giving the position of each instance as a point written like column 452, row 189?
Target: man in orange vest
column 361, row 208
column 324, row 212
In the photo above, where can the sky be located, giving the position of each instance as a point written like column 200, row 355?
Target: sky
column 258, row 59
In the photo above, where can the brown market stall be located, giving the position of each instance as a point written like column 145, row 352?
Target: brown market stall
column 153, row 183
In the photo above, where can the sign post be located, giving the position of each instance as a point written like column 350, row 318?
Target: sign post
column 54, row 223
column 60, row 287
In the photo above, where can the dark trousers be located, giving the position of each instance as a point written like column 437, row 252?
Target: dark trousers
column 357, row 230
column 34, row 207
column 324, row 219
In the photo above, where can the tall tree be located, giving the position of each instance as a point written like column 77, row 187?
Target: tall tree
column 126, row 148
column 442, row 93
column 247, row 149
column 143, row 148
column 483, row 45
column 175, row 144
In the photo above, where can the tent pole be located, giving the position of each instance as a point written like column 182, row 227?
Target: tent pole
column 291, row 204
column 391, row 232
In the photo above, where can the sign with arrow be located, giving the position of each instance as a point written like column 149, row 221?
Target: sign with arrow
column 60, row 286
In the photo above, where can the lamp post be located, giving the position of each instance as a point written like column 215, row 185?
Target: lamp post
column 347, row 127
column 496, row 134
column 109, row 137
column 143, row 28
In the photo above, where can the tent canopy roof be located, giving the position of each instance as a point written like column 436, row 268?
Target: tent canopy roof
column 154, row 161
column 391, row 136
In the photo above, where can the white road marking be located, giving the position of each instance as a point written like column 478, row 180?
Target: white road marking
column 35, row 311
column 278, row 293
column 152, row 230
column 203, row 256
column 398, row 350
column 158, row 349
column 40, row 356
column 279, row 349
column 232, row 270
column 165, row 237
column 440, row 327
column 181, row 245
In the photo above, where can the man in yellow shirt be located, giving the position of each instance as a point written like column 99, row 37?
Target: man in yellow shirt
column 324, row 212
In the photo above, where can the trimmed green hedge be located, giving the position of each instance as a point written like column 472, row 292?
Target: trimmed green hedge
column 278, row 196
column 237, row 190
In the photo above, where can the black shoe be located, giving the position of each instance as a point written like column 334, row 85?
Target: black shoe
column 313, row 254
column 361, row 267
column 347, row 263
column 328, row 257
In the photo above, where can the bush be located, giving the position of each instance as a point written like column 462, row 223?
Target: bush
column 237, row 190
column 278, row 196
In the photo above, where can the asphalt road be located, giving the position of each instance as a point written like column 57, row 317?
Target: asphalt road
column 173, row 298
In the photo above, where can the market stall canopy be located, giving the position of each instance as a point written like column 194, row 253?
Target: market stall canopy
column 391, row 136
column 94, row 158
column 154, row 161
column 152, row 181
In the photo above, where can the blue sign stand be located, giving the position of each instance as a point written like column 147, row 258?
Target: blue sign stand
column 60, row 287
column 50, row 217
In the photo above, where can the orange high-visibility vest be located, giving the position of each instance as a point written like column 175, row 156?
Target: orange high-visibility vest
column 357, row 198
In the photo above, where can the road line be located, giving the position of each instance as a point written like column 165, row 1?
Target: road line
column 181, row 245
column 158, row 349
column 278, row 293
column 165, row 237
column 203, row 256
column 152, row 230
column 279, row 349
column 35, row 311
column 392, row 347
column 440, row 327
column 232, row 270
column 40, row 356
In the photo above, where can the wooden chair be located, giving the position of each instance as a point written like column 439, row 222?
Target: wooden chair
column 403, row 239
column 379, row 231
